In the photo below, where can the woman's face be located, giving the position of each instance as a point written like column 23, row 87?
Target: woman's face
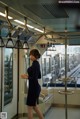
column 32, row 58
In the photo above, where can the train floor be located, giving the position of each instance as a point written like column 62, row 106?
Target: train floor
column 59, row 113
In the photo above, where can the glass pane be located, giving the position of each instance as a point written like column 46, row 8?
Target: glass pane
column 8, row 75
column 53, row 66
column 27, row 64
column 74, row 65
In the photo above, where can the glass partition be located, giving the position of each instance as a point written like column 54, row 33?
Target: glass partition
column 8, row 75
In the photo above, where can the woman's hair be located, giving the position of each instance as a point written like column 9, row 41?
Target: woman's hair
column 35, row 53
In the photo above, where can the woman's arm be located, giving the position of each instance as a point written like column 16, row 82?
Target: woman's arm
column 24, row 76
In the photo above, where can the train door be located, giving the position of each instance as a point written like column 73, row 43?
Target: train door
column 9, row 96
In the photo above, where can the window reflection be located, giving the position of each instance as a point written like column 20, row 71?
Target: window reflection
column 8, row 75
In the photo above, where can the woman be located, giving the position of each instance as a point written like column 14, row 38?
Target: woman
column 34, row 88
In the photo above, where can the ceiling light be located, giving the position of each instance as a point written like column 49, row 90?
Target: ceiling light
column 2, row 14
column 20, row 22
column 38, row 30
column 10, row 17
column 29, row 26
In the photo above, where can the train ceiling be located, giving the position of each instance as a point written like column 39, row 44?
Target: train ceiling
column 48, row 14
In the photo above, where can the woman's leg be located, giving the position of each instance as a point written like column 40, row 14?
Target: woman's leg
column 30, row 112
column 39, row 113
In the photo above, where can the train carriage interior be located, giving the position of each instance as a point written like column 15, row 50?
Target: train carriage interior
column 52, row 27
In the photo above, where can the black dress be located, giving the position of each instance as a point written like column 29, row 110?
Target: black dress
column 34, row 87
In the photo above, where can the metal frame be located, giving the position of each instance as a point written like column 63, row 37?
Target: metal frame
column 2, row 42
column 1, row 78
column 9, row 40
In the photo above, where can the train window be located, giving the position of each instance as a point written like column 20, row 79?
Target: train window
column 8, row 75
column 55, row 66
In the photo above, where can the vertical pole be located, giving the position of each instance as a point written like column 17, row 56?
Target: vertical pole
column 66, row 78
column 18, row 79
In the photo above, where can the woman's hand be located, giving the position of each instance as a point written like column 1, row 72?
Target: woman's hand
column 24, row 76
